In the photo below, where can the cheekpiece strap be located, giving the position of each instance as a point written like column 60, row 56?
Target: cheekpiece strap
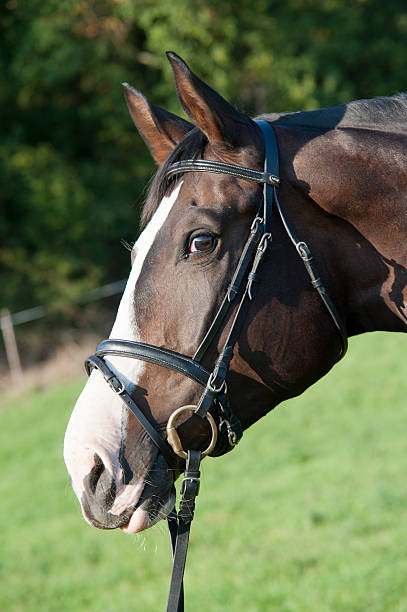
column 271, row 149
column 271, row 168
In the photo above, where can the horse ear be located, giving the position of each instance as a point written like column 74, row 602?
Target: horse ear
column 160, row 129
column 206, row 108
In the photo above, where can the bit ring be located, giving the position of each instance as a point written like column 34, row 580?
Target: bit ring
column 173, row 437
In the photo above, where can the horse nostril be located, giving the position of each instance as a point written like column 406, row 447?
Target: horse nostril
column 95, row 473
column 100, row 484
column 99, row 493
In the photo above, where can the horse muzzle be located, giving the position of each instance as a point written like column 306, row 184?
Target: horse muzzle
column 108, row 503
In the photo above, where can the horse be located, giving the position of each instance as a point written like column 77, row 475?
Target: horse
column 252, row 320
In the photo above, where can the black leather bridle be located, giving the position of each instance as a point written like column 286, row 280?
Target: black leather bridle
column 226, row 428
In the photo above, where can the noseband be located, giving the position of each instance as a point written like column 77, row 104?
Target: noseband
column 226, row 428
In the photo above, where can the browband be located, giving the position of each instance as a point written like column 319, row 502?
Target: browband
column 203, row 165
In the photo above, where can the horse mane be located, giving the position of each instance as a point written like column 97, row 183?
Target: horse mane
column 387, row 114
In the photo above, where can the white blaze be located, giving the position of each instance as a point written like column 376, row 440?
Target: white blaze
column 95, row 423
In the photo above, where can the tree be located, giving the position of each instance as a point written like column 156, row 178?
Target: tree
column 71, row 165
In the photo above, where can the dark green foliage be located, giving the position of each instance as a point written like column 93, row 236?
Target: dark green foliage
column 71, row 165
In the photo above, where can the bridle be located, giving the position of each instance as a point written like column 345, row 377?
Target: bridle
column 226, row 428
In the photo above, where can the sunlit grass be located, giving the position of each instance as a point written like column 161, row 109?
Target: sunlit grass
column 309, row 513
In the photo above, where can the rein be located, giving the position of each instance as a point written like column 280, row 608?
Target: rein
column 226, row 428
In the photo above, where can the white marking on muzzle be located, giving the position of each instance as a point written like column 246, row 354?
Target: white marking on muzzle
column 95, row 423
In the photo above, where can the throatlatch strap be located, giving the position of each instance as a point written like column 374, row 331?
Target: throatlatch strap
column 308, row 261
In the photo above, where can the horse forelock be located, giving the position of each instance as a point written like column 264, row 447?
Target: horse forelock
column 191, row 147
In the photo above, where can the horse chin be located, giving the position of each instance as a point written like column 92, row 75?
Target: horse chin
column 156, row 500
column 149, row 513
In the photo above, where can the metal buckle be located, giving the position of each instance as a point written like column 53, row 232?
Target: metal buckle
column 190, row 479
column 173, row 437
column 274, row 180
column 303, row 250
column 256, row 222
column 232, row 436
column 264, row 242
column 120, row 388
column 210, row 386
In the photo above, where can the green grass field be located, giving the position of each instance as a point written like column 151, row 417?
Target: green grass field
column 308, row 514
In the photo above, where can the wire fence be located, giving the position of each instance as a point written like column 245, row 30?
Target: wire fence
column 8, row 321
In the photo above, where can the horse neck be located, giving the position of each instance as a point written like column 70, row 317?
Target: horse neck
column 358, row 177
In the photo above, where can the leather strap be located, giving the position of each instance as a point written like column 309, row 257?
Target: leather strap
column 172, row 522
column 94, row 361
column 271, row 168
column 271, row 160
column 260, row 236
column 233, row 289
column 261, row 224
column 308, row 261
column 189, row 491
column 154, row 354
column 204, row 165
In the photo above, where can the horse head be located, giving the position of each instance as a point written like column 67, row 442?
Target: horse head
column 195, row 226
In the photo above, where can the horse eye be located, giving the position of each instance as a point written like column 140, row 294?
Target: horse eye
column 202, row 244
